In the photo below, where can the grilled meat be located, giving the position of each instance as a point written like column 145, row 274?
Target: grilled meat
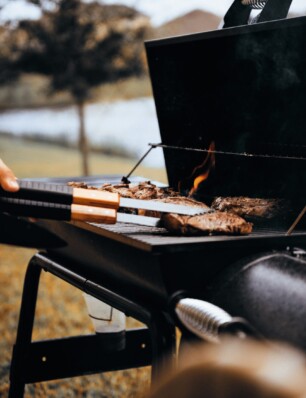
column 77, row 184
column 211, row 223
column 205, row 224
column 249, row 207
column 143, row 190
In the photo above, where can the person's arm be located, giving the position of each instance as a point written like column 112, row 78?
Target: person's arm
column 7, row 178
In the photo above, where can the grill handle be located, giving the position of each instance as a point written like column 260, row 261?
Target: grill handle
column 210, row 322
column 238, row 14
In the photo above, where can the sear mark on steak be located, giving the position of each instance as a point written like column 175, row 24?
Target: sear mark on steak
column 249, row 207
column 207, row 224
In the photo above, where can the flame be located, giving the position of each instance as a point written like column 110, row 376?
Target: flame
column 206, row 167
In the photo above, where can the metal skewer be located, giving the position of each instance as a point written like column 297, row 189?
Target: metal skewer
column 229, row 153
column 125, row 179
column 298, row 219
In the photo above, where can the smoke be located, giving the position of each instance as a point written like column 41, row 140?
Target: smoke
column 272, row 61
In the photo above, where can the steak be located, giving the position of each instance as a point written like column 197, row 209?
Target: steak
column 249, row 207
column 207, row 224
column 144, row 190
column 216, row 222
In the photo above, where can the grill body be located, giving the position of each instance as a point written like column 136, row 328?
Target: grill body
column 210, row 88
column 256, row 277
column 149, row 265
column 269, row 290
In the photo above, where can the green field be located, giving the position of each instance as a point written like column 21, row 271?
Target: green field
column 33, row 159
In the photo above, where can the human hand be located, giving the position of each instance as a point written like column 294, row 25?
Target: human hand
column 7, row 178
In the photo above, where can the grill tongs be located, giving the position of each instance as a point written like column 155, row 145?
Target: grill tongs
column 61, row 202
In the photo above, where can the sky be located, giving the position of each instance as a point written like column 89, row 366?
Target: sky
column 159, row 11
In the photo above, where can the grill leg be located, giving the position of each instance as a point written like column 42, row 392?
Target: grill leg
column 161, row 330
column 163, row 345
column 24, row 331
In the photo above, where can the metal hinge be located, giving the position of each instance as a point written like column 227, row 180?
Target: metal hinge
column 297, row 252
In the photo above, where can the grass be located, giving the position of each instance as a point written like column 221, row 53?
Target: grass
column 61, row 310
column 32, row 159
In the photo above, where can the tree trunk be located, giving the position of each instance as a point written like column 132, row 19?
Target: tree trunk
column 83, row 143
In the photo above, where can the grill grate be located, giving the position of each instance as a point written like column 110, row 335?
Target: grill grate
column 158, row 239
column 132, row 229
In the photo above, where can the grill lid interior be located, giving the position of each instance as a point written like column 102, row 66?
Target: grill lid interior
column 244, row 90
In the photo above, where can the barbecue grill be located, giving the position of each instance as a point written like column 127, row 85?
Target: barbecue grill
column 244, row 90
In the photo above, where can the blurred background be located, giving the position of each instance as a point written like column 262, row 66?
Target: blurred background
column 75, row 93
column 75, row 99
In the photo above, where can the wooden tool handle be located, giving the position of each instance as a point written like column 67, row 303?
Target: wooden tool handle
column 93, row 197
column 93, row 214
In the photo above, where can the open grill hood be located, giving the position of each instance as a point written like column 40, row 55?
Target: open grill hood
column 243, row 89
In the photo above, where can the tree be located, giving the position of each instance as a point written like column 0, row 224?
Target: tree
column 8, row 59
column 82, row 45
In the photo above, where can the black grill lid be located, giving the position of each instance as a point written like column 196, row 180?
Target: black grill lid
column 244, row 89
